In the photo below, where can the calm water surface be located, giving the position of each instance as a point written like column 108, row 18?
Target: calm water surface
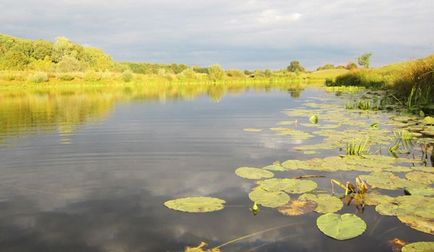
column 99, row 184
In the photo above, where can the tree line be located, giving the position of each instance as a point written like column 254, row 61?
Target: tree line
column 63, row 55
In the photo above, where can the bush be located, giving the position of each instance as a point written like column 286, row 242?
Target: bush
column 127, row 76
column 66, row 77
column 92, row 76
column 39, row 77
column 362, row 78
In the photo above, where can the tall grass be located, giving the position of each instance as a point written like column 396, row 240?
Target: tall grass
column 416, row 85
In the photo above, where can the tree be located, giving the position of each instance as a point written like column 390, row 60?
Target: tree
column 295, row 66
column 351, row 66
column 364, row 60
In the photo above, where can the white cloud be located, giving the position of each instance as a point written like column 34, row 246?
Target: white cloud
column 273, row 16
column 244, row 34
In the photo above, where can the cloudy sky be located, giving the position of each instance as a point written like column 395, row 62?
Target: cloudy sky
column 236, row 34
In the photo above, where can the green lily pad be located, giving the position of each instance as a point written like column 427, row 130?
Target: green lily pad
column 424, row 168
column 274, row 167
column 408, row 205
column 297, row 207
column 341, row 227
column 252, row 130
column 422, row 191
column 428, row 120
column 374, row 198
column 384, row 180
column 326, row 202
column 420, row 177
column 196, row 204
column 287, row 185
column 419, row 247
column 296, row 134
column 425, row 225
column 268, row 199
column 253, row 173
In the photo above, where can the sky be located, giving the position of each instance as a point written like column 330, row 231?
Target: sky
column 245, row 34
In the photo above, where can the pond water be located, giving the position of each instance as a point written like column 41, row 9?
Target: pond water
column 92, row 173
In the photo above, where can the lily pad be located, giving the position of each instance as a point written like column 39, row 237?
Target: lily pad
column 419, row 223
column 252, row 130
column 276, row 166
column 422, row 191
column 420, row 177
column 196, row 204
column 326, row 202
column 253, row 173
column 297, row 207
column 374, row 198
column 408, row 205
column 287, row 185
column 384, row 180
column 419, row 247
column 268, row 199
column 341, row 227
column 428, row 120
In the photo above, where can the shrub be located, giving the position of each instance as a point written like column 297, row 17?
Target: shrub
column 39, row 77
column 361, row 78
column 127, row 76
column 66, row 77
column 92, row 76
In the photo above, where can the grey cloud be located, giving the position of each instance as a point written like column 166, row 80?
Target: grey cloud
column 243, row 34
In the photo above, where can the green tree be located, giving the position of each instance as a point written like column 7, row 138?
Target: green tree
column 295, row 66
column 364, row 60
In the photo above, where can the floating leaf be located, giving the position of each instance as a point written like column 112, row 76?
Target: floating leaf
column 420, row 190
column 408, row 205
column 268, row 199
column 420, row 177
column 373, row 198
column 297, row 207
column 196, row 204
column 276, row 166
column 384, row 180
column 425, row 225
column 341, row 227
column 253, row 173
column 252, row 130
column 326, row 202
column 419, row 247
column 287, row 185
column 428, row 120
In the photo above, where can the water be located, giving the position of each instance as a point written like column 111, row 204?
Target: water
column 93, row 176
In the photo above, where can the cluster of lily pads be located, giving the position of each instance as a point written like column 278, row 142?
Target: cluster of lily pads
column 337, row 127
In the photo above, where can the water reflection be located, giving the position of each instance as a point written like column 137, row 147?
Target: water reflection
column 62, row 107
column 105, row 190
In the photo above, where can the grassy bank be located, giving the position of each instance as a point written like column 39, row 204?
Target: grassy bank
column 411, row 82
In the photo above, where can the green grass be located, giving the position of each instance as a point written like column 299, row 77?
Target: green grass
column 412, row 82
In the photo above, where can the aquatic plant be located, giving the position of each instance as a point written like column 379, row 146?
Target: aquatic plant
column 357, row 147
column 314, row 119
column 196, row 204
column 341, row 227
